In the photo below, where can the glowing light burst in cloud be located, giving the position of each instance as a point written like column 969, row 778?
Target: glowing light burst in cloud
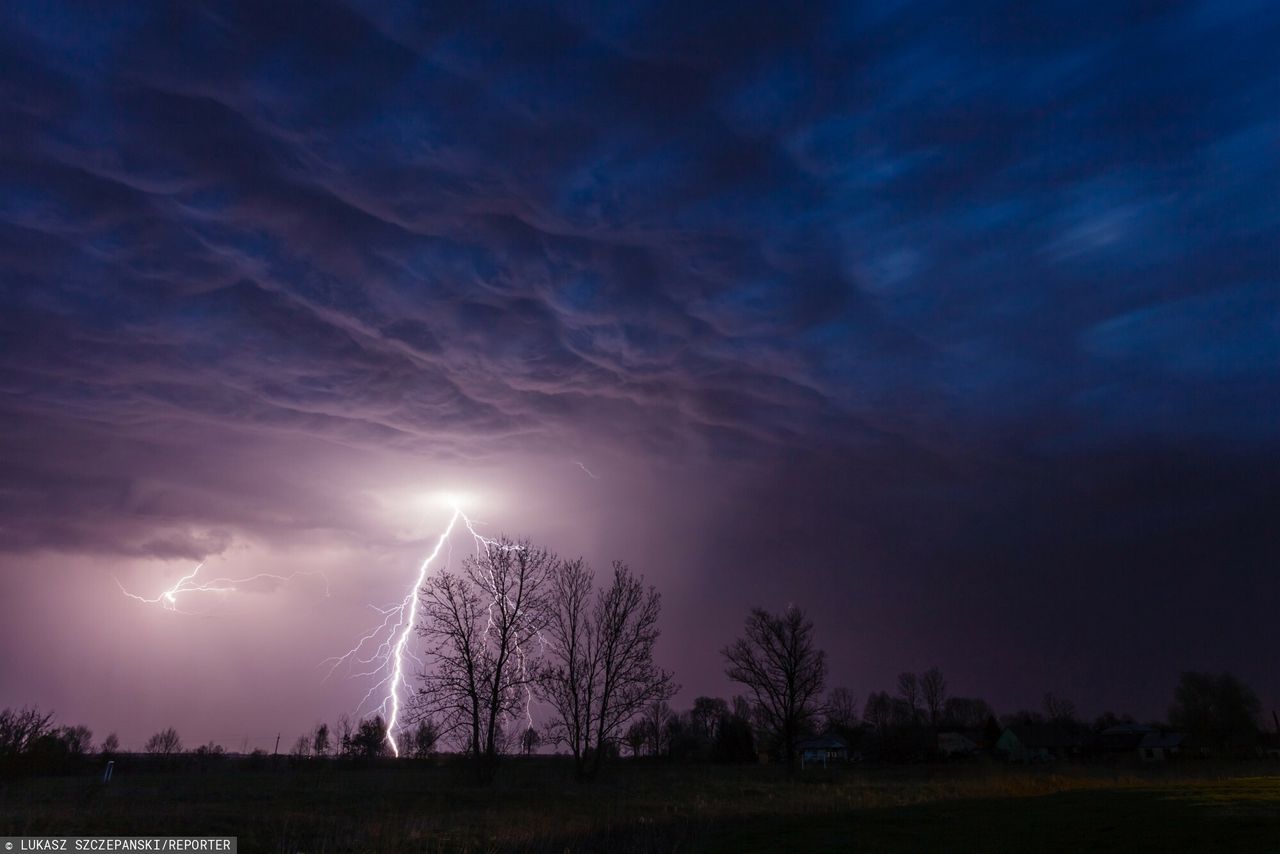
column 188, row 584
column 390, row 638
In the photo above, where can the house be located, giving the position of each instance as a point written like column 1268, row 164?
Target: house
column 1158, row 746
column 1038, row 743
column 1120, row 739
column 956, row 744
column 821, row 751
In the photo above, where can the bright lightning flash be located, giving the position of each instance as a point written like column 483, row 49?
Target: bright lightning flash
column 188, row 584
column 390, row 639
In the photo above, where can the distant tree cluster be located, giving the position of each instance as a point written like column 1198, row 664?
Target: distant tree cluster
column 517, row 625
column 29, row 740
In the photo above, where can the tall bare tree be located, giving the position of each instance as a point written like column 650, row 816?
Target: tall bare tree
column 482, row 629
column 841, row 710
column 934, row 689
column 637, row 735
column 656, row 716
column 601, row 675
column 878, row 712
column 909, row 693
column 320, row 740
column 783, row 670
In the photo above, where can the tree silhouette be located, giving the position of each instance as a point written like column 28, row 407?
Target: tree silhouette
column 966, row 712
column 706, row 715
column 1215, row 707
column 482, row 628
column 783, row 671
column 369, row 740
column 320, row 740
column 164, row 743
column 601, row 674
column 656, row 717
column 1058, row 710
column 909, row 694
column 841, row 710
column 933, row 687
column 423, row 741
column 637, row 735
column 878, row 712
column 20, row 729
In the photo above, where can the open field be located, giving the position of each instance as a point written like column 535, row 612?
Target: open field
column 536, row 807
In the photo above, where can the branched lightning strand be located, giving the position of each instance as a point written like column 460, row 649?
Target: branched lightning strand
column 188, row 584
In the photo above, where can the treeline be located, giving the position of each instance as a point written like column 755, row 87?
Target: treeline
column 518, row 628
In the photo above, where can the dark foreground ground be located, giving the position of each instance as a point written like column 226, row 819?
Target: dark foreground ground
column 535, row 807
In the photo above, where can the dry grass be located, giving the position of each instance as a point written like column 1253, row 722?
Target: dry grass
column 535, row 806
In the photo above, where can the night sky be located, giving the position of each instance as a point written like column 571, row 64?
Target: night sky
column 956, row 325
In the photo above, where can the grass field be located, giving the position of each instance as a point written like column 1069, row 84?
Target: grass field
column 536, row 807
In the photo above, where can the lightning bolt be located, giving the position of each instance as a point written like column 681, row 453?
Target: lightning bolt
column 388, row 642
column 168, row 599
column 589, row 472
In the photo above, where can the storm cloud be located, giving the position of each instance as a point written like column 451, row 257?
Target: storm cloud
column 954, row 324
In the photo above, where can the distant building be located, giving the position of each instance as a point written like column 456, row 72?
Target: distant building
column 1159, row 746
column 1121, row 739
column 956, row 744
column 821, row 751
column 1038, row 743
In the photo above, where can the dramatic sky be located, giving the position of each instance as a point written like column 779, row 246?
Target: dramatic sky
column 957, row 326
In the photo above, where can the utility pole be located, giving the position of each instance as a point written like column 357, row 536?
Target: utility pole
column 276, row 752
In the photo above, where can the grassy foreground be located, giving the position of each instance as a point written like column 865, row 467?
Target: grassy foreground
column 536, row 807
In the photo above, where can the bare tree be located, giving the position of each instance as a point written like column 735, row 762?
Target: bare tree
column 1059, row 709
column 345, row 733
column 966, row 711
column 164, row 743
column 705, row 717
column 782, row 669
column 301, row 748
column 601, row 674
column 637, row 735
column 320, row 740
column 529, row 741
column 909, row 693
column 76, row 740
column 656, row 716
column 483, row 630
column 934, row 688
column 110, row 745
column 1217, row 707
column 878, row 713
column 423, row 741
column 841, row 710
column 20, row 729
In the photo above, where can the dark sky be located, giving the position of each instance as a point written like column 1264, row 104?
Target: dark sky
column 956, row 325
